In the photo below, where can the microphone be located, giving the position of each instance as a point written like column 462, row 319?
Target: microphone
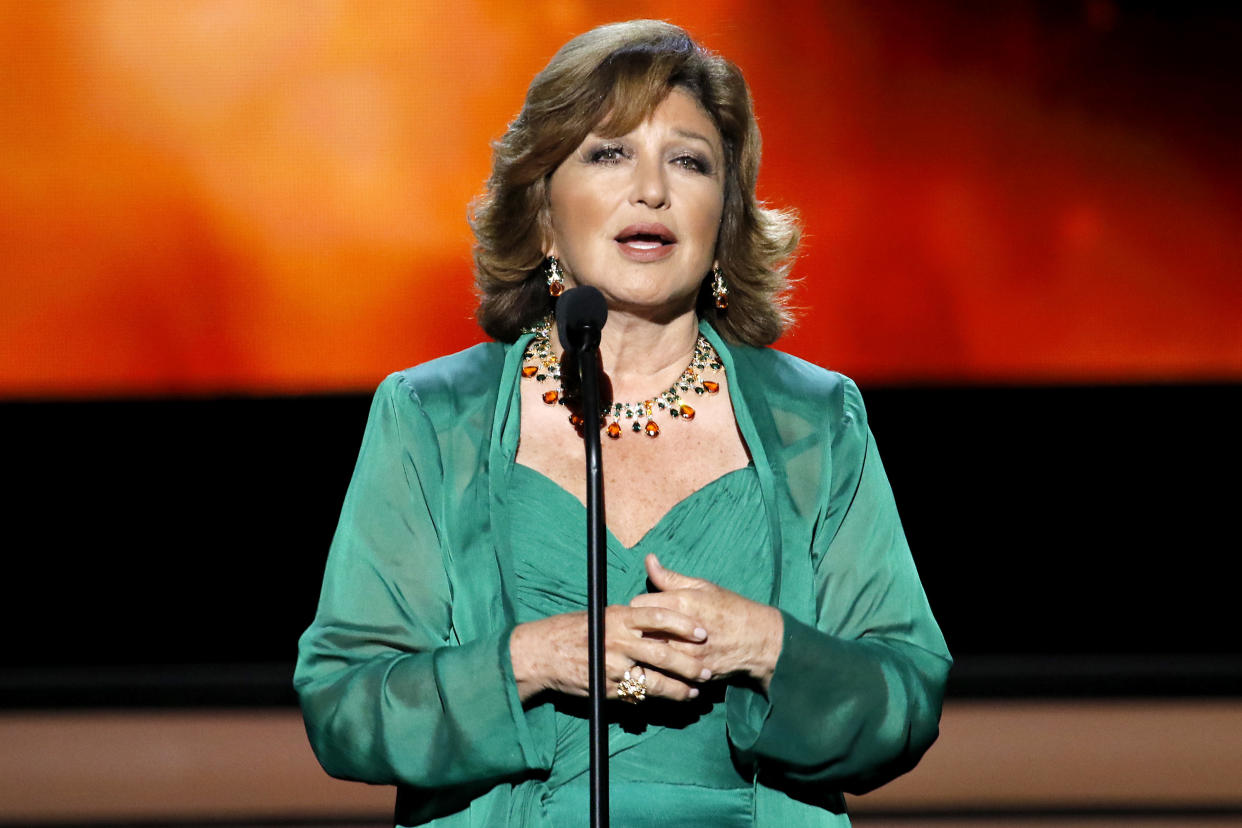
column 580, row 316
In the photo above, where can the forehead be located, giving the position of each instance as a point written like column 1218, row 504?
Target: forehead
column 678, row 111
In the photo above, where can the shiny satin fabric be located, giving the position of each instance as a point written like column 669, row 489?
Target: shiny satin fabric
column 404, row 675
column 662, row 752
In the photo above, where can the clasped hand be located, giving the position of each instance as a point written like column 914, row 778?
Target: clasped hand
column 687, row 632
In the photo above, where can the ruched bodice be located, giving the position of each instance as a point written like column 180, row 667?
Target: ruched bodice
column 670, row 761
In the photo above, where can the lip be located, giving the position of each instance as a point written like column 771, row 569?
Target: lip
column 646, row 242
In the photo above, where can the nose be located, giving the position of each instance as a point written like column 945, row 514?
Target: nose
column 650, row 187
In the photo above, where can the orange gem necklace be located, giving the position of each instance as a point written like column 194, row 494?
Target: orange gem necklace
column 541, row 364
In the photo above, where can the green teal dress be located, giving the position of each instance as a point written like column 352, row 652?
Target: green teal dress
column 670, row 761
column 404, row 675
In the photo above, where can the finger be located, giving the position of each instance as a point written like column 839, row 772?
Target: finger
column 623, row 652
column 668, row 687
column 664, row 620
column 667, row 579
column 675, row 662
column 692, row 603
column 656, row 684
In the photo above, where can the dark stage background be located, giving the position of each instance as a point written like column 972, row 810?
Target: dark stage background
column 1073, row 540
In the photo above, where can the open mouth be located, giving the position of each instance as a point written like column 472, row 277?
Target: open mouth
column 646, row 237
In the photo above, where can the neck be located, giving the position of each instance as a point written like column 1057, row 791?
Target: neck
column 643, row 357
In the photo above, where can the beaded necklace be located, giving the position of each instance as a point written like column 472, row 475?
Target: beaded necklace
column 540, row 363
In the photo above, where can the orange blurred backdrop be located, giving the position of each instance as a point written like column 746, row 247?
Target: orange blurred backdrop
column 245, row 196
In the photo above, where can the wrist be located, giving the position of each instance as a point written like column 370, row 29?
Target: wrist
column 770, row 640
column 521, row 659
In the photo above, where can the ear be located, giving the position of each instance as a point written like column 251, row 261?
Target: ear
column 547, row 244
column 543, row 226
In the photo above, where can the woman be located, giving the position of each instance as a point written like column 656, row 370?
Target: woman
column 766, row 624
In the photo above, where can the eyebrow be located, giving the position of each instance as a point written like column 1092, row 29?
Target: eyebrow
column 686, row 133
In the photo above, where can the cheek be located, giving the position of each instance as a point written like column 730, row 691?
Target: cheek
column 710, row 217
column 575, row 208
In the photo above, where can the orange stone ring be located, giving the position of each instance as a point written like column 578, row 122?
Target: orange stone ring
column 633, row 685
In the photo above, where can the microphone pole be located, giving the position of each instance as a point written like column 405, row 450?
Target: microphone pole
column 580, row 317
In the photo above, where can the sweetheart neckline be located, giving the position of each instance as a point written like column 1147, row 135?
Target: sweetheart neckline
column 612, row 538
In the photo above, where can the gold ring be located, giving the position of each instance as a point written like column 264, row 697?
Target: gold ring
column 633, row 685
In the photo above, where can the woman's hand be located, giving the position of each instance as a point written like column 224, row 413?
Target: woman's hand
column 743, row 637
column 551, row 653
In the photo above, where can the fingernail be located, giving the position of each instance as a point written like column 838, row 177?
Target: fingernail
column 694, row 692
column 706, row 674
column 700, row 633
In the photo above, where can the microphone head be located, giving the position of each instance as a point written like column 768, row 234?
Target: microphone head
column 578, row 310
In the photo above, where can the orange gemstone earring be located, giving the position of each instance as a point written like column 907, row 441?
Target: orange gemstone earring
column 556, row 280
column 720, row 291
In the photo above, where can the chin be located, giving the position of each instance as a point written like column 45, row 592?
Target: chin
column 661, row 308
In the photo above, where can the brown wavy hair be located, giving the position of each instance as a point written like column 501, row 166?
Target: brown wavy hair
column 608, row 81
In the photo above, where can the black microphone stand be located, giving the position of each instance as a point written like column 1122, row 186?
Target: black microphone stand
column 579, row 332
column 597, row 586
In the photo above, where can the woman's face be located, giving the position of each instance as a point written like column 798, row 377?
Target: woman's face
column 637, row 216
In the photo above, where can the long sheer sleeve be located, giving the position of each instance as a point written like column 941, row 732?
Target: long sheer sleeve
column 856, row 695
column 388, row 694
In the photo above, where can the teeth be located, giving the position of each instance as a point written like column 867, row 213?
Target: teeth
column 644, row 245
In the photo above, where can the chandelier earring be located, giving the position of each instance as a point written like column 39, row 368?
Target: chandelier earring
column 720, row 291
column 556, row 278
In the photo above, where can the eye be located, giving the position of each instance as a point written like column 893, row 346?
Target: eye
column 607, row 154
column 693, row 163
